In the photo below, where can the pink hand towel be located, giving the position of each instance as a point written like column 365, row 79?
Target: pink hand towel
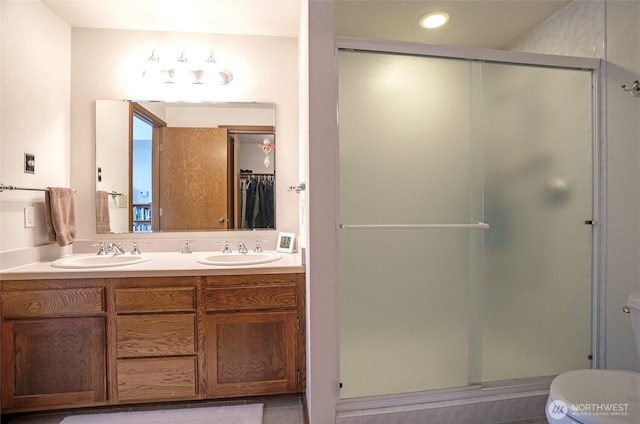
column 103, row 223
column 60, row 215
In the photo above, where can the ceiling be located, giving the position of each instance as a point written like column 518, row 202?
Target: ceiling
column 475, row 23
column 254, row 17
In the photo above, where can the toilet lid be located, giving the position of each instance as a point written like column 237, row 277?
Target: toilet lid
column 599, row 396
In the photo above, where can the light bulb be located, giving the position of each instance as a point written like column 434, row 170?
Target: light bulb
column 434, row 20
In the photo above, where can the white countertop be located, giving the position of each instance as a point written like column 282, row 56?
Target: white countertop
column 161, row 264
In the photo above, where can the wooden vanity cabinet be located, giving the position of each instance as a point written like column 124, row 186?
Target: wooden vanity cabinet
column 254, row 334
column 53, row 344
column 92, row 342
column 157, row 339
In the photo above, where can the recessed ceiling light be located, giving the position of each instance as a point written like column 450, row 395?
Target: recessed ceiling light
column 433, row 20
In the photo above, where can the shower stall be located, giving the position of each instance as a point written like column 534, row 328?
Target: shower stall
column 467, row 238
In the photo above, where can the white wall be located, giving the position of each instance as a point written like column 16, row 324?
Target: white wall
column 322, row 266
column 35, row 89
column 107, row 64
column 112, row 123
column 622, row 128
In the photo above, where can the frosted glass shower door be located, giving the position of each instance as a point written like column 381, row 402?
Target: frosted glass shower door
column 537, row 130
column 445, row 141
column 405, row 137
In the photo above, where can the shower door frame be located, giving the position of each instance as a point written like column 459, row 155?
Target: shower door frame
column 598, row 204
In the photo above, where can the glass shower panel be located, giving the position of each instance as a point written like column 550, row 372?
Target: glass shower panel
column 405, row 141
column 538, row 159
column 443, row 141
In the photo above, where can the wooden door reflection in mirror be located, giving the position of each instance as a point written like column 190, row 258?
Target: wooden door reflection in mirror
column 198, row 179
column 193, row 179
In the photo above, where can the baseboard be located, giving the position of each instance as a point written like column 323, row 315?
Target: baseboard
column 454, row 406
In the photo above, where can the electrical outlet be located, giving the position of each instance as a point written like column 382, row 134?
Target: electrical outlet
column 123, row 201
column 29, row 218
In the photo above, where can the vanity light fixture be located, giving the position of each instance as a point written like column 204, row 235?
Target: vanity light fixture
column 181, row 72
column 433, row 20
column 216, row 73
column 177, row 72
column 153, row 69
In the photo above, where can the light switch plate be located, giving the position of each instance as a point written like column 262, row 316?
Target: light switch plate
column 29, row 218
column 29, row 163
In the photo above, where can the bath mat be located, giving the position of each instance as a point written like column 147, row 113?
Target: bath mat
column 233, row 414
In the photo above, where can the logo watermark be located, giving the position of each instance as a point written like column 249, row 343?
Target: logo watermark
column 558, row 409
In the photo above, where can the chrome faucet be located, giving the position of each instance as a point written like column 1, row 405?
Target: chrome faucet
column 116, row 249
column 242, row 248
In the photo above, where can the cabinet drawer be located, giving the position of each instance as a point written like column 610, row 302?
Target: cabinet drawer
column 155, row 300
column 155, row 335
column 40, row 303
column 249, row 298
column 156, row 379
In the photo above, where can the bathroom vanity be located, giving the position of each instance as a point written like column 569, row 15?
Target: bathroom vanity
column 150, row 333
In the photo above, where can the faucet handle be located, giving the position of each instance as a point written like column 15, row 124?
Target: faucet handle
column 258, row 248
column 136, row 250
column 227, row 248
column 101, row 251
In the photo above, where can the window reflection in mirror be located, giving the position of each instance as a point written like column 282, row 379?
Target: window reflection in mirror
column 191, row 166
column 141, row 171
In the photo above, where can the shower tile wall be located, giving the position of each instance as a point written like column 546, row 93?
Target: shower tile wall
column 576, row 30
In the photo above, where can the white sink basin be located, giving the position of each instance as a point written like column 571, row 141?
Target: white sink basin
column 98, row 261
column 237, row 259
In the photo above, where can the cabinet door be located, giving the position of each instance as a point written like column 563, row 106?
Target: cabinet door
column 251, row 353
column 53, row 362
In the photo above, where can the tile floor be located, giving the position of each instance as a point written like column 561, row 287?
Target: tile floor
column 277, row 410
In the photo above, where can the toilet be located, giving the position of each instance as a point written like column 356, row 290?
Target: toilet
column 598, row 396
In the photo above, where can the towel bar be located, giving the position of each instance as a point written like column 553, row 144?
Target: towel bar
column 13, row 188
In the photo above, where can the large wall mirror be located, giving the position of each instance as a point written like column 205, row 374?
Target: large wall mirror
column 179, row 166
